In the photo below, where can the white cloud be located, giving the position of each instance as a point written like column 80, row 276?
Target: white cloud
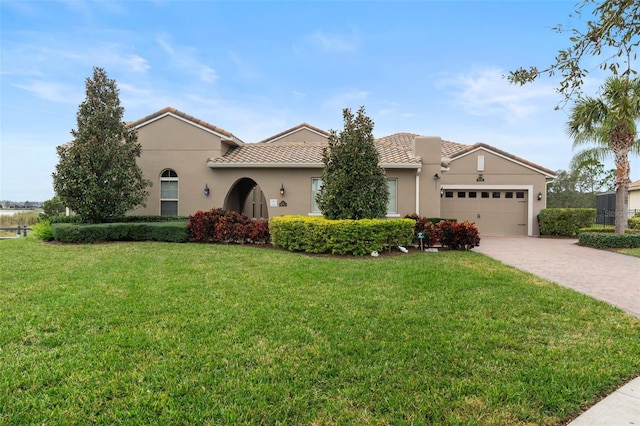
column 335, row 43
column 186, row 59
column 53, row 91
column 484, row 92
column 352, row 98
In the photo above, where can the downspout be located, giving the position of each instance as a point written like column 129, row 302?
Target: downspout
column 418, row 190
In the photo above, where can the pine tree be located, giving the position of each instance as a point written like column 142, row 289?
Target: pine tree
column 354, row 185
column 97, row 176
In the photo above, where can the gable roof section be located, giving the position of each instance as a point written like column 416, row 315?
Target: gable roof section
column 473, row 148
column 169, row 111
column 293, row 130
column 634, row 186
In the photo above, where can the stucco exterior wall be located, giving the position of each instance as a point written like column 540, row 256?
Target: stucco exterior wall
column 427, row 203
column 170, row 143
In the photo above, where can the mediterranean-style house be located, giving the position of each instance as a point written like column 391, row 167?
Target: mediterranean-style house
column 197, row 166
column 634, row 196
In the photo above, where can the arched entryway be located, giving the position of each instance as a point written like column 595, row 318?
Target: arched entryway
column 245, row 196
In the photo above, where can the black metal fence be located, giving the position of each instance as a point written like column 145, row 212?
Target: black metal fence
column 19, row 230
column 606, row 209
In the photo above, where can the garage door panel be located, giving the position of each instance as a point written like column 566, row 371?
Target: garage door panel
column 494, row 214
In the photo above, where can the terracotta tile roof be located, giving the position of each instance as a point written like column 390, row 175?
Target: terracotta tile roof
column 470, row 148
column 293, row 154
column 187, row 117
column 302, row 154
column 294, row 129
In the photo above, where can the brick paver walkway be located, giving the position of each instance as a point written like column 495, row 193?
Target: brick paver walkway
column 612, row 277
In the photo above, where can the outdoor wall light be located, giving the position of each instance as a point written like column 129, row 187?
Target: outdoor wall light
column 206, row 190
column 282, row 189
column 436, row 176
column 480, row 178
column 441, row 192
column 539, row 196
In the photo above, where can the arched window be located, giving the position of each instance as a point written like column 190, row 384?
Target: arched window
column 169, row 193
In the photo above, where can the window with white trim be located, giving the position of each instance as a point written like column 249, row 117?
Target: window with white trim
column 392, row 204
column 168, row 193
column 316, row 184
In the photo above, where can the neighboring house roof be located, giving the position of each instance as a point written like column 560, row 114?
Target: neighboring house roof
column 470, row 149
column 634, row 186
column 169, row 111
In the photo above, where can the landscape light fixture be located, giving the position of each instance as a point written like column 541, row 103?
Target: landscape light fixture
column 282, row 189
column 206, row 190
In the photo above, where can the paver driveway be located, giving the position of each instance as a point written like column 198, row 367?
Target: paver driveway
column 612, row 277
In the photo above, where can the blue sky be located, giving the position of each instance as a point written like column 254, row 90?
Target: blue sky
column 258, row 68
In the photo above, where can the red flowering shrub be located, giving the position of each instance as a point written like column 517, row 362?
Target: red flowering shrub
column 431, row 234
column 221, row 226
column 458, row 236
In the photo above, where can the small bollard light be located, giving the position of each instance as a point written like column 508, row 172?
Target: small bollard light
column 18, row 234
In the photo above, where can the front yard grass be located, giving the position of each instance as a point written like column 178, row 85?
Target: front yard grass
column 158, row 333
column 631, row 252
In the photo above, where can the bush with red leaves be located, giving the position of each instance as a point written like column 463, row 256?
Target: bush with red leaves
column 221, row 226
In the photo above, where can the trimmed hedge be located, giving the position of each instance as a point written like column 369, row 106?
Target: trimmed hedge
column 356, row 237
column 605, row 240
column 606, row 229
column 634, row 222
column 94, row 233
column 565, row 222
column 62, row 218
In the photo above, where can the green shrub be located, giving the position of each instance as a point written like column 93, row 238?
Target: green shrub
column 634, row 222
column 565, row 222
column 607, row 229
column 357, row 237
column 74, row 218
column 42, row 230
column 605, row 240
column 93, row 233
column 63, row 218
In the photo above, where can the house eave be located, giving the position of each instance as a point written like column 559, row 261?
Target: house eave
column 214, row 165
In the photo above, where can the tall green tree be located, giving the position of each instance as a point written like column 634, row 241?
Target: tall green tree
column 354, row 185
column 591, row 176
column 97, row 175
column 609, row 122
column 610, row 38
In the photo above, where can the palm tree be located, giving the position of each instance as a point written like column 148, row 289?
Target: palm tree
column 609, row 122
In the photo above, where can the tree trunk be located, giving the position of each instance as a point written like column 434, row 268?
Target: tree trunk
column 622, row 191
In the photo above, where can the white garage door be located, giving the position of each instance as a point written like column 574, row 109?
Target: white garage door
column 500, row 212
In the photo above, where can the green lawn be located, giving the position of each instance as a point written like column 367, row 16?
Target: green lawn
column 153, row 333
column 631, row 252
